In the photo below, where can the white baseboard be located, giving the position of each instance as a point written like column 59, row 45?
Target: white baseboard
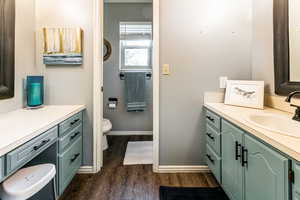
column 86, row 170
column 122, row 133
column 183, row 169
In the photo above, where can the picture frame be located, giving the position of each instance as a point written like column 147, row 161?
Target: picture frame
column 245, row 93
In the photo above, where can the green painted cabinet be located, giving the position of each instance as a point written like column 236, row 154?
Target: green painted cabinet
column 232, row 172
column 296, row 185
column 251, row 169
column 265, row 172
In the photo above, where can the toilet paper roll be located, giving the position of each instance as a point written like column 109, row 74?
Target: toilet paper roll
column 112, row 105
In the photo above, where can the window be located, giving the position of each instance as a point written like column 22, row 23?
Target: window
column 135, row 45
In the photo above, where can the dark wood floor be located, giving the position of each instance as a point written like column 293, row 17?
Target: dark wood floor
column 118, row 182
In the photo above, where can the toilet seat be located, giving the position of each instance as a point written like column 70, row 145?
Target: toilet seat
column 106, row 125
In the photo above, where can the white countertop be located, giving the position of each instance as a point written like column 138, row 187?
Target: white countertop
column 237, row 115
column 20, row 126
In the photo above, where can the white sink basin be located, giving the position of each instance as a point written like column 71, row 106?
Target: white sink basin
column 276, row 123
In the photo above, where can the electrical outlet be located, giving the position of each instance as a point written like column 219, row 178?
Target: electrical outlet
column 166, row 69
column 223, row 80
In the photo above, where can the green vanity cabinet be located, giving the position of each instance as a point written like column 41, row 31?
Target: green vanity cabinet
column 213, row 147
column 296, row 184
column 69, row 150
column 251, row 169
column 266, row 172
column 2, row 167
column 232, row 172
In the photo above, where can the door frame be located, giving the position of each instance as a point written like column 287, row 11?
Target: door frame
column 98, row 83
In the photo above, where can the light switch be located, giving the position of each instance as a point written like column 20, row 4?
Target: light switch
column 223, row 80
column 166, row 69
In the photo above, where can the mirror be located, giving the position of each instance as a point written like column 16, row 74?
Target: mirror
column 294, row 39
column 7, row 48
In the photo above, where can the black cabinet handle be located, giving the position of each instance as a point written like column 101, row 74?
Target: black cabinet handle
column 210, row 136
column 74, row 122
column 41, row 145
column 237, row 150
column 244, row 160
column 210, row 118
column 210, row 159
column 75, row 157
column 75, row 134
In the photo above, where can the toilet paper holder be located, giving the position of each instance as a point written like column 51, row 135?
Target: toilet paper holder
column 112, row 103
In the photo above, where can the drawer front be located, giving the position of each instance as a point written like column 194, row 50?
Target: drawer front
column 213, row 162
column 69, row 163
column 213, row 119
column 213, row 138
column 24, row 153
column 70, row 123
column 69, row 138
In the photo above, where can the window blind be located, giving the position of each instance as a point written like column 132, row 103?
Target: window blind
column 135, row 30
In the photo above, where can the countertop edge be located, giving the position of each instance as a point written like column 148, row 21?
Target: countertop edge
column 279, row 146
column 30, row 136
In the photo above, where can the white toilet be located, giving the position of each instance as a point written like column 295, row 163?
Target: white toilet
column 106, row 127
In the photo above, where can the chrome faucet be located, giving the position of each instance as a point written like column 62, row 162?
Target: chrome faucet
column 297, row 112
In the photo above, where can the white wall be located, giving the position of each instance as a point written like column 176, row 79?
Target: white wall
column 24, row 52
column 262, row 52
column 201, row 40
column 70, row 85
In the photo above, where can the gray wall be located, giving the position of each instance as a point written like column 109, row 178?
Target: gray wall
column 201, row 40
column 70, row 85
column 113, row 86
column 262, row 53
column 24, row 52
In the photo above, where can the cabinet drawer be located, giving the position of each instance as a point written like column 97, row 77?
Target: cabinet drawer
column 70, row 123
column 213, row 138
column 213, row 162
column 69, row 138
column 24, row 153
column 213, row 120
column 69, row 163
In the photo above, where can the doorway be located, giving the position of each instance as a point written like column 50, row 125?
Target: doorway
column 110, row 101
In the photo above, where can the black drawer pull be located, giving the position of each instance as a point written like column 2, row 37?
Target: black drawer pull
column 244, row 160
column 74, row 122
column 210, row 159
column 41, row 145
column 74, row 136
column 75, row 157
column 237, row 150
column 210, row 136
column 210, row 119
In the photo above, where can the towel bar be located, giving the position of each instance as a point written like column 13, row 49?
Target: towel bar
column 148, row 75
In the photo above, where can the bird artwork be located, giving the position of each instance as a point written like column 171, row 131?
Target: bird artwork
column 244, row 93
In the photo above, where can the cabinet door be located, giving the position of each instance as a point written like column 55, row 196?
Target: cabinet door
column 296, row 185
column 232, row 172
column 265, row 173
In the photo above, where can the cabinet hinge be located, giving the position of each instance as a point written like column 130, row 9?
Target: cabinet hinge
column 291, row 176
column 102, row 89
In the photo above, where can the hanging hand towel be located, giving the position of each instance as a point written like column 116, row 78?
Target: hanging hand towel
column 135, row 91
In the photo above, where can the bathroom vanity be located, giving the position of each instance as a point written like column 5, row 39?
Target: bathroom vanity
column 249, row 161
column 52, row 134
